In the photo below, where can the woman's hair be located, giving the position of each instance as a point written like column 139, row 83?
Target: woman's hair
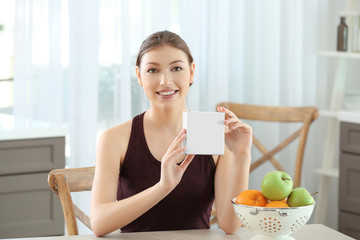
column 162, row 38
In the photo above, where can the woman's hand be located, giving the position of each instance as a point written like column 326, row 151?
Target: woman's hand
column 171, row 172
column 238, row 135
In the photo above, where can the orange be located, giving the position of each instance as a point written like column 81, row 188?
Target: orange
column 277, row 204
column 251, row 197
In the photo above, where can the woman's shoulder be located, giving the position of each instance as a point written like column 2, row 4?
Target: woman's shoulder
column 116, row 138
column 118, row 132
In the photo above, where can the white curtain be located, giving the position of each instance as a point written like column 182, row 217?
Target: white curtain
column 256, row 52
column 74, row 61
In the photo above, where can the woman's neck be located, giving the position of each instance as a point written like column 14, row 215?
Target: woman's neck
column 169, row 119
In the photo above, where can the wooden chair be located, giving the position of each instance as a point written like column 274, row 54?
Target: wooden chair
column 304, row 115
column 64, row 181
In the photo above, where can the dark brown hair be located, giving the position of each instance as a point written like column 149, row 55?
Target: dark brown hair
column 160, row 39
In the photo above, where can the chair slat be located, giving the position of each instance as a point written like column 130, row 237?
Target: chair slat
column 78, row 179
column 275, row 150
column 270, row 113
column 82, row 216
column 264, row 151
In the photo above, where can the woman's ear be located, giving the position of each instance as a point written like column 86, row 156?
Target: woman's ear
column 192, row 73
column 137, row 70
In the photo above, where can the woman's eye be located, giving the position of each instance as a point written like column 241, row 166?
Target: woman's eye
column 152, row 70
column 175, row 69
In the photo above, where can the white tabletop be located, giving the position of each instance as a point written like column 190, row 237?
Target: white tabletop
column 349, row 116
column 309, row 231
column 12, row 128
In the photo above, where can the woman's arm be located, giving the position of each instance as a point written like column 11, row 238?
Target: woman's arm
column 107, row 214
column 231, row 178
column 232, row 171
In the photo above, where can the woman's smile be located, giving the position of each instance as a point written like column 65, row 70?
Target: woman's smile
column 167, row 93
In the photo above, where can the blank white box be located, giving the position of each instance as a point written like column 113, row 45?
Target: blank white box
column 205, row 133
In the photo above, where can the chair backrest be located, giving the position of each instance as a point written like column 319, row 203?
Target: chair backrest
column 64, row 181
column 304, row 115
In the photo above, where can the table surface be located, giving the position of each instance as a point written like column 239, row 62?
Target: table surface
column 12, row 128
column 309, row 231
column 349, row 116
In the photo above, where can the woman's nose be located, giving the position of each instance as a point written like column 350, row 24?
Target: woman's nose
column 165, row 80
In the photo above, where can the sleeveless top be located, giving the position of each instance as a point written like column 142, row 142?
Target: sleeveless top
column 188, row 206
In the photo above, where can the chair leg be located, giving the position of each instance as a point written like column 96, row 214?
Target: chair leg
column 67, row 205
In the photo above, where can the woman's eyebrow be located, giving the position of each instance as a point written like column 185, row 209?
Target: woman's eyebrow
column 157, row 64
column 176, row 61
column 152, row 63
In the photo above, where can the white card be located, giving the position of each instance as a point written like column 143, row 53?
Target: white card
column 205, row 133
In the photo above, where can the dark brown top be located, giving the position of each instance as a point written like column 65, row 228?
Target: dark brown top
column 188, row 206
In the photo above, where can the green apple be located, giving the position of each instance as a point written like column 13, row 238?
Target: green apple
column 276, row 185
column 300, row 197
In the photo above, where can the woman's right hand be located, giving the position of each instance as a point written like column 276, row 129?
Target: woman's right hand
column 171, row 172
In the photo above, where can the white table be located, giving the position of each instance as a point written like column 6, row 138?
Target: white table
column 12, row 128
column 308, row 232
column 349, row 116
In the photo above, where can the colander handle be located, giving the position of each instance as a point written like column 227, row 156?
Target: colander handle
column 255, row 211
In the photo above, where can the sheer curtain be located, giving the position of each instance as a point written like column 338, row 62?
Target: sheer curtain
column 74, row 61
column 255, row 52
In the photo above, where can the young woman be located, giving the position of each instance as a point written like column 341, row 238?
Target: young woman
column 143, row 181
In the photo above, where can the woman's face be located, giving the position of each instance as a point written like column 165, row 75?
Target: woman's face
column 166, row 75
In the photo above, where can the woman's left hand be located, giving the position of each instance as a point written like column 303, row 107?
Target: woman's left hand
column 238, row 135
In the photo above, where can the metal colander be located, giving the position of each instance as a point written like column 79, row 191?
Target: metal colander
column 273, row 223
